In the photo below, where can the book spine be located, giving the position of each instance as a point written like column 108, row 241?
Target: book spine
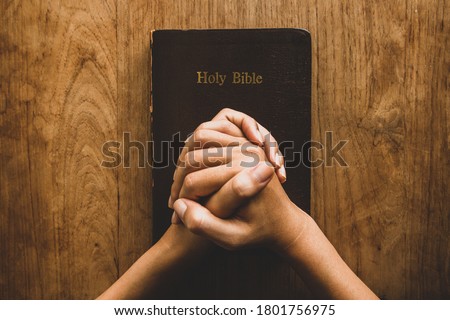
column 150, row 107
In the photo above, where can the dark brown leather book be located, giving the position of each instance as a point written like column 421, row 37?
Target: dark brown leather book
column 265, row 73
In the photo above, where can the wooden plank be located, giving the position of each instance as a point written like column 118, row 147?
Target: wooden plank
column 135, row 182
column 371, row 68
column 427, row 150
column 58, row 106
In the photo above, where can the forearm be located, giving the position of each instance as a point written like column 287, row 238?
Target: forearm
column 161, row 263
column 318, row 263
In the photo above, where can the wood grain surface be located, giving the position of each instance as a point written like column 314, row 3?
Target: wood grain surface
column 75, row 74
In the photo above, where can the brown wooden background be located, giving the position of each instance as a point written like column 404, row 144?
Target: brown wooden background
column 74, row 74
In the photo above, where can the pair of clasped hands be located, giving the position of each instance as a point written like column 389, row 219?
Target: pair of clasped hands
column 227, row 190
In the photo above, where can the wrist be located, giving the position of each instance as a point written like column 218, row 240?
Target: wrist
column 295, row 223
column 179, row 241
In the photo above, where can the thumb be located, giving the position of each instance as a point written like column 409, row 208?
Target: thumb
column 228, row 234
column 236, row 191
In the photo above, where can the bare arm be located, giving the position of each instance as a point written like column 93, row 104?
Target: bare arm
column 272, row 219
column 315, row 259
column 175, row 251
column 179, row 248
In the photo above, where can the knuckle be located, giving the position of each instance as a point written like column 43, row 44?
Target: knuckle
column 226, row 110
column 200, row 136
column 202, row 126
column 227, row 125
column 189, row 183
column 182, row 159
column 195, row 135
column 241, row 187
column 194, row 222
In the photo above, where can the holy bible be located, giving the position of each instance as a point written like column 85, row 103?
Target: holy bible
column 265, row 73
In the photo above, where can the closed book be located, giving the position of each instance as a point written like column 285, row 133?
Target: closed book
column 265, row 73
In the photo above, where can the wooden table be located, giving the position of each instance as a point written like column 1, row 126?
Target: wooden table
column 75, row 74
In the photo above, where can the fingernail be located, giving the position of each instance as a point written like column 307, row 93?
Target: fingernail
column 180, row 208
column 175, row 219
column 277, row 160
column 273, row 156
column 282, row 171
column 260, row 138
column 170, row 202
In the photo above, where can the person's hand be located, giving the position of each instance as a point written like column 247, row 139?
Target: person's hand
column 179, row 248
column 202, row 172
column 228, row 128
column 219, row 150
column 268, row 218
column 243, row 215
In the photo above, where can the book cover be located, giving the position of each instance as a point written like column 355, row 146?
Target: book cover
column 265, row 73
